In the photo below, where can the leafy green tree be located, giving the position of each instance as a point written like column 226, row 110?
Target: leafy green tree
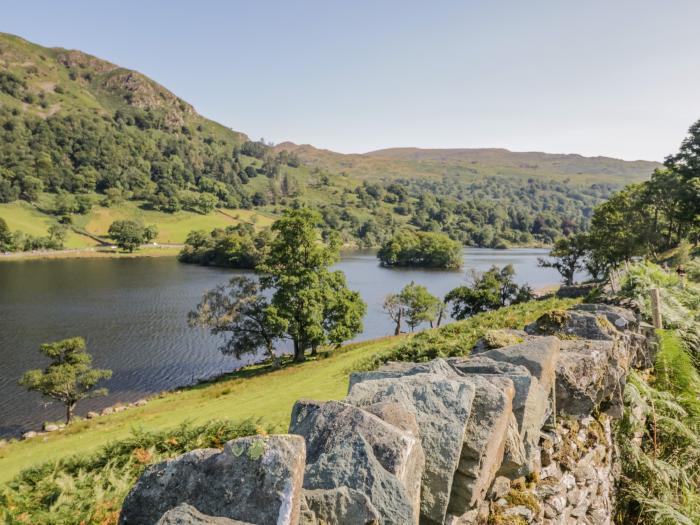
column 239, row 246
column 569, row 254
column 313, row 301
column 421, row 305
column 490, row 290
column 241, row 313
column 413, row 305
column 57, row 235
column 7, row 240
column 395, row 309
column 69, row 377
column 422, row 249
column 129, row 234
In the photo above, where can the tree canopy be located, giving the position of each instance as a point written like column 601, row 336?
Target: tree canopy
column 69, row 377
column 489, row 290
column 423, row 249
column 129, row 235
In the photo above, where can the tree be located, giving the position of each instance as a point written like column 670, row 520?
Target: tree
column 70, row 376
column 394, row 307
column 129, row 234
column 7, row 240
column 57, row 235
column 569, row 255
column 490, row 290
column 414, row 305
column 239, row 311
column 314, row 302
column 423, row 249
column 421, row 306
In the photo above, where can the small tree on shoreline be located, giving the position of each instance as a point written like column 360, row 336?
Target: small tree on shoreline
column 70, row 376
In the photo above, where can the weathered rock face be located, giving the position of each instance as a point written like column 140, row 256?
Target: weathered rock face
column 352, row 448
column 341, row 506
column 442, row 407
column 185, row 514
column 484, row 441
column 254, row 479
column 531, row 408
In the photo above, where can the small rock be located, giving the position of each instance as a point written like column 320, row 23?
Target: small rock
column 558, row 503
column 29, row 435
column 92, row 414
column 107, row 411
column 499, row 488
column 521, row 511
column 568, row 480
column 185, row 514
column 50, row 427
column 119, row 408
column 551, row 471
column 140, row 402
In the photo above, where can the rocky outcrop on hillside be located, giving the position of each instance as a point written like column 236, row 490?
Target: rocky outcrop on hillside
column 517, row 434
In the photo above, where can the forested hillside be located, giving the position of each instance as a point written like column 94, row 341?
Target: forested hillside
column 73, row 124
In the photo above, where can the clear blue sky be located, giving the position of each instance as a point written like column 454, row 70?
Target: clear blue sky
column 618, row 78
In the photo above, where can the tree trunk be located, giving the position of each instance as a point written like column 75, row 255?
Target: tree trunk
column 298, row 352
column 69, row 412
column 397, row 330
column 273, row 357
column 439, row 319
column 314, row 350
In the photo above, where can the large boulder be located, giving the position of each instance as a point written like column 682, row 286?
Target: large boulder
column 394, row 369
column 341, row 506
column 255, row 479
column 531, row 408
column 592, row 374
column 574, row 324
column 350, row 447
column 185, row 514
column 538, row 355
column 441, row 406
column 484, row 441
column 621, row 318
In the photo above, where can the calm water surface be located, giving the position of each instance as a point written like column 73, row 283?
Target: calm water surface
column 132, row 312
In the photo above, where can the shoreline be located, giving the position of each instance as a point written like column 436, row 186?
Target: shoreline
column 169, row 250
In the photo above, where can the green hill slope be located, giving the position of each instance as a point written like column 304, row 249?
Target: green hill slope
column 475, row 164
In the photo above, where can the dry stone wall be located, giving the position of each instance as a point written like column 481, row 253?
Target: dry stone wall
column 512, row 435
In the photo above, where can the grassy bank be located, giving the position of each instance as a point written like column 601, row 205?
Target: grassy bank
column 258, row 392
column 173, row 228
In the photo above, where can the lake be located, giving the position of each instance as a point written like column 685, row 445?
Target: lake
column 132, row 313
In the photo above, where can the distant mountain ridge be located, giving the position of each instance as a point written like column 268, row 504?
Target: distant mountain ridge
column 471, row 162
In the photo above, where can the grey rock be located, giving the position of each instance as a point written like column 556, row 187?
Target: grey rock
column 51, row 428
column 442, row 407
column 394, row 369
column 538, row 355
column 484, row 441
column 350, row 447
column 591, row 373
column 30, row 434
column 521, row 511
column 499, row 488
column 185, row 514
column 531, row 408
column 342, row 506
column 92, row 414
column 499, row 338
column 621, row 318
column 574, row 323
column 255, row 479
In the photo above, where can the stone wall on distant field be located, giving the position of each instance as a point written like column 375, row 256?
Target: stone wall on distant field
column 514, row 434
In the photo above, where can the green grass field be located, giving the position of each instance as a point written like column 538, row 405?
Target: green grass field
column 173, row 228
column 250, row 393
column 258, row 392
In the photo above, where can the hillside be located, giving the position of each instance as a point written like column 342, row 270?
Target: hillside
column 474, row 164
column 74, row 124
